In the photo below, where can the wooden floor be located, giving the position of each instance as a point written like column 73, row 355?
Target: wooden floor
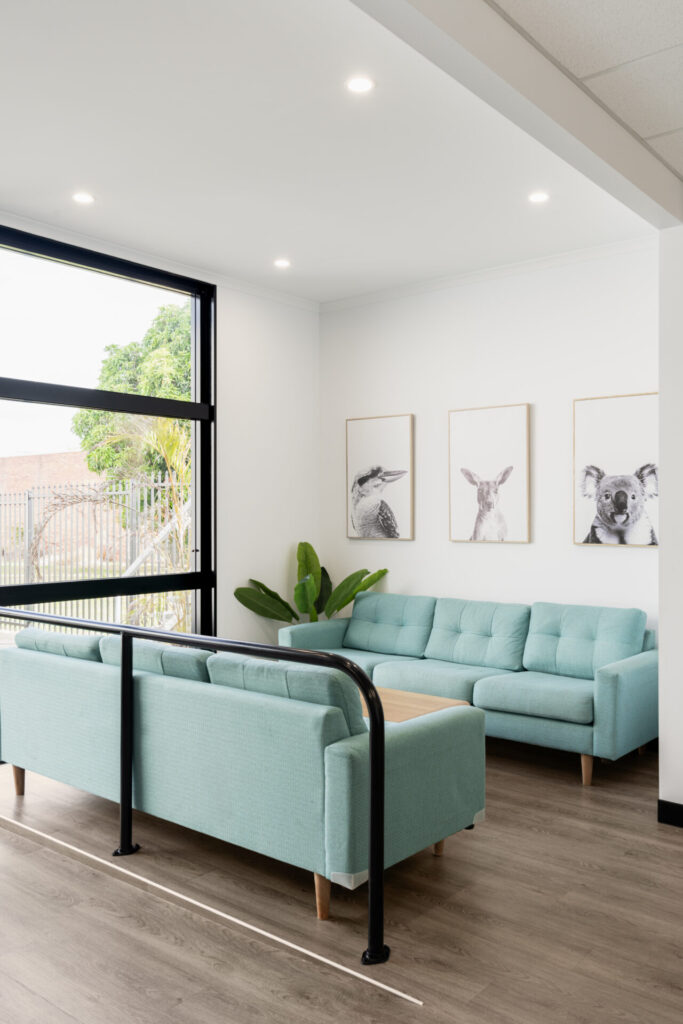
column 565, row 906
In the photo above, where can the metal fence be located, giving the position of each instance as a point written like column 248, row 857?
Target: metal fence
column 89, row 530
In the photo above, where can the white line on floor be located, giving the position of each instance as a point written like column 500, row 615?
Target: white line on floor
column 18, row 826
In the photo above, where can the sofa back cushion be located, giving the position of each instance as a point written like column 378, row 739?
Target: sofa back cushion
column 577, row 640
column 164, row 659
column 479, row 633
column 70, row 645
column 650, row 640
column 296, row 682
column 390, row 624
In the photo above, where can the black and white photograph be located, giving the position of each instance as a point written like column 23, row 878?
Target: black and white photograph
column 379, row 477
column 489, row 474
column 616, row 471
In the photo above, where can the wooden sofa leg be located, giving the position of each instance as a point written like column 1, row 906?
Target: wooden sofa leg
column 587, row 769
column 641, row 750
column 438, row 848
column 19, row 780
column 322, row 896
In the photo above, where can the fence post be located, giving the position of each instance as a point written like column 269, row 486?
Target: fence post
column 28, row 538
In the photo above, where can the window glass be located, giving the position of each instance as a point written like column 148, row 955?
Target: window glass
column 86, row 494
column 170, row 610
column 62, row 324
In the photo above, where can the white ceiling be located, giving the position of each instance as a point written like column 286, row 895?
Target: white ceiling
column 627, row 53
column 218, row 134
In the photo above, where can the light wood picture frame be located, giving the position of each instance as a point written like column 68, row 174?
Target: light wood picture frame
column 615, row 470
column 380, row 501
column 488, row 474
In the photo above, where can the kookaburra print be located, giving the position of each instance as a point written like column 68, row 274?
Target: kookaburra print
column 371, row 514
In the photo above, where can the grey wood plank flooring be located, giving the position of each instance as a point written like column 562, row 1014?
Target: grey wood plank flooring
column 564, row 906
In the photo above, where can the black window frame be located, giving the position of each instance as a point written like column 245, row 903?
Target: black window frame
column 201, row 411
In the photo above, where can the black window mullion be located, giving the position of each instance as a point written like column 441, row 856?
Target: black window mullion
column 15, row 390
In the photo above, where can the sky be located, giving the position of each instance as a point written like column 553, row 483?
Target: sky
column 55, row 322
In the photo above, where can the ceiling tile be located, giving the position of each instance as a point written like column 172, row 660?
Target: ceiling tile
column 647, row 94
column 670, row 147
column 585, row 36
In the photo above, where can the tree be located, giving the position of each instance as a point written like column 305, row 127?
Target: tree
column 160, row 366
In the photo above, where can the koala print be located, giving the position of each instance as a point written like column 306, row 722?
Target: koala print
column 620, row 505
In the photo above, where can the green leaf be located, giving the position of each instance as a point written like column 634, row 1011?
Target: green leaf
column 308, row 564
column 325, row 591
column 343, row 593
column 370, row 581
column 274, row 594
column 264, row 605
column 305, row 595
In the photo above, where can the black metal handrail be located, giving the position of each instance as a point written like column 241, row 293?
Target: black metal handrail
column 377, row 952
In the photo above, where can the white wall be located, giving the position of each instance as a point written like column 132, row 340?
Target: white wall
column 267, row 448
column 671, row 591
column 573, row 328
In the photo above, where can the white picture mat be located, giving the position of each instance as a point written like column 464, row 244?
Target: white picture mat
column 385, row 441
column 486, row 441
column 618, row 435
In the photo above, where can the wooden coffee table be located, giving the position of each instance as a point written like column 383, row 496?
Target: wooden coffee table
column 402, row 705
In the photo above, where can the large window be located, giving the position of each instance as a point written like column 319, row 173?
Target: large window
column 106, row 438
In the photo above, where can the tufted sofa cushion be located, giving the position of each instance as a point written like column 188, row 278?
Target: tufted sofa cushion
column 390, row 624
column 479, row 633
column 163, row 659
column 69, row 645
column 577, row 640
column 296, row 682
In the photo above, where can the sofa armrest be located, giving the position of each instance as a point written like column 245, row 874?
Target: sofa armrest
column 435, row 786
column 626, row 705
column 314, row 636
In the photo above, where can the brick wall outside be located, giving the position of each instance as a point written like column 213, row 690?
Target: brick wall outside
column 23, row 472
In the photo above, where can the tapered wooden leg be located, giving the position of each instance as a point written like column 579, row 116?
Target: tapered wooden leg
column 438, row 848
column 587, row 769
column 322, row 896
column 641, row 750
column 19, row 780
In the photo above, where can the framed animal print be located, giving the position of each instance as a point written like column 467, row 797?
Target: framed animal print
column 379, row 478
column 616, row 473
column 488, row 453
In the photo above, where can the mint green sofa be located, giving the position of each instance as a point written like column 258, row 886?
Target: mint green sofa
column 267, row 755
column 573, row 677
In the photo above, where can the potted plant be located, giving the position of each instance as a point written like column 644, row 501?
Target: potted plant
column 314, row 594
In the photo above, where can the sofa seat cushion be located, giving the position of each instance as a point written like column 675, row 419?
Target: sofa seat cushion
column 307, row 683
column 479, row 633
column 576, row 639
column 368, row 660
column 69, row 645
column 390, row 624
column 163, row 659
column 439, row 678
column 539, row 695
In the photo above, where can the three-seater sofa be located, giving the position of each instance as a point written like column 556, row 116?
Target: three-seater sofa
column 573, row 677
column 270, row 756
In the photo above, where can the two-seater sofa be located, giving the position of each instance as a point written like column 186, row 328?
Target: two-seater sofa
column 573, row 677
column 266, row 755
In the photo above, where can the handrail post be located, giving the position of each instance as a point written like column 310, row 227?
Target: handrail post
column 126, row 844
column 377, row 952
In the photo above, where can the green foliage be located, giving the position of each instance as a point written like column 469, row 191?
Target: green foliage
column 262, row 604
column 160, row 366
column 313, row 593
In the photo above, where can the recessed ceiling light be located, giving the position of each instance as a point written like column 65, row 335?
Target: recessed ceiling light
column 85, row 198
column 360, row 83
column 282, row 263
column 539, row 197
